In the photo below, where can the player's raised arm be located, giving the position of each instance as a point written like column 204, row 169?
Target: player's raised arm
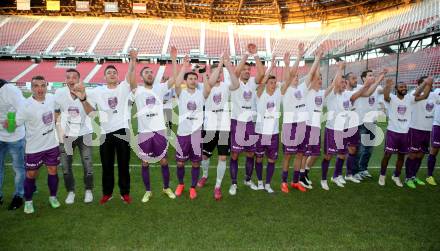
column 235, row 83
column 209, row 83
column 314, row 68
column 268, row 73
column 286, row 73
column 374, row 86
column 338, row 77
column 173, row 54
column 179, row 78
column 131, row 74
column 240, row 65
column 299, row 55
column 79, row 91
column 422, row 92
column 387, row 90
column 252, row 49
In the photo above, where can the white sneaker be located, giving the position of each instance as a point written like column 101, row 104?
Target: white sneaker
column 88, row 197
column 366, row 174
column 324, row 185
column 382, row 180
column 341, row 179
column 70, row 198
column 397, row 181
column 358, row 176
column 352, row 179
column 147, row 197
column 233, row 189
column 260, row 185
column 337, row 182
column 268, row 188
column 251, row 185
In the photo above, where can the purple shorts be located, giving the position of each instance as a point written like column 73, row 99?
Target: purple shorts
column 267, row 144
column 189, row 147
column 243, row 136
column 419, row 140
column 294, row 140
column 435, row 136
column 153, row 145
column 49, row 157
column 396, row 142
column 334, row 142
column 313, row 139
column 353, row 137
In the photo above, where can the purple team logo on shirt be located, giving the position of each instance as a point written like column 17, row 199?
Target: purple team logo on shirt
column 429, row 106
column 217, row 98
column 47, row 118
column 270, row 106
column 371, row 100
column 346, row 104
column 150, row 101
column 113, row 102
column 247, row 95
column 298, row 94
column 191, row 106
column 73, row 111
column 401, row 109
column 318, row 100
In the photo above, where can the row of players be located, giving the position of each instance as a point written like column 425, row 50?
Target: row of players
column 54, row 125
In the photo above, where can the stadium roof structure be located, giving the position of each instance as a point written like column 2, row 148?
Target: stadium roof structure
column 236, row 11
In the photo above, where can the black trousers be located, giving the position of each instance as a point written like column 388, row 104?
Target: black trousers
column 115, row 144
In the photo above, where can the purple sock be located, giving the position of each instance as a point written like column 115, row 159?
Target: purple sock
column 396, row 173
column 431, row 164
column 146, row 176
column 284, row 176
column 52, row 182
column 259, row 170
column 269, row 172
column 383, row 170
column 307, row 171
column 324, row 166
column 166, row 176
column 249, row 168
column 180, row 174
column 350, row 163
column 417, row 164
column 195, row 172
column 295, row 176
column 338, row 167
column 29, row 188
column 233, row 169
column 409, row 168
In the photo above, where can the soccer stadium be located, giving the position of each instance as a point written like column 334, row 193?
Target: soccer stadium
column 225, row 125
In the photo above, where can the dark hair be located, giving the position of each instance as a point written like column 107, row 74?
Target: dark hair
column 215, row 65
column 143, row 69
column 110, row 67
column 185, row 77
column 248, row 64
column 73, row 70
column 399, row 83
column 421, row 79
column 271, row 77
column 348, row 75
column 38, row 77
column 2, row 82
column 364, row 74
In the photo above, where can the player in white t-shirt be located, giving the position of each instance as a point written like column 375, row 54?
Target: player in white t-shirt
column 419, row 134
column 111, row 101
column 42, row 147
column 267, row 126
column 76, row 128
column 243, row 110
column 217, row 121
column 152, row 140
column 400, row 108
column 189, row 131
column 12, row 141
column 341, row 135
column 435, row 140
column 168, row 105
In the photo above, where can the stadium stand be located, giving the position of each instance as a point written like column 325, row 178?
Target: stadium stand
column 77, row 37
column 149, row 37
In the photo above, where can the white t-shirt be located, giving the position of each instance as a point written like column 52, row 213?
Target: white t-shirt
column 422, row 114
column 341, row 113
column 268, row 113
column 314, row 105
column 149, row 103
column 168, row 98
column 217, row 112
column 11, row 100
column 39, row 121
column 364, row 105
column 436, row 120
column 244, row 101
column 190, row 112
column 399, row 113
column 294, row 104
column 113, row 106
column 74, row 120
